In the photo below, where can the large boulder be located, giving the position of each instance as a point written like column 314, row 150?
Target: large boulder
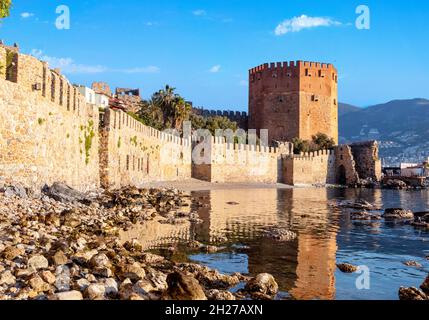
column 425, row 286
column 395, row 184
column 15, row 190
column 64, row 193
column 263, row 283
column 398, row 214
column 184, row 287
column 412, row 294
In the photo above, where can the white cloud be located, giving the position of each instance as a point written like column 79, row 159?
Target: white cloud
column 68, row 65
column 215, row 69
column 297, row 24
column 243, row 83
column 199, row 13
column 26, row 15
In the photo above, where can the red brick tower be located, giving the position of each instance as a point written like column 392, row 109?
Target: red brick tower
column 296, row 99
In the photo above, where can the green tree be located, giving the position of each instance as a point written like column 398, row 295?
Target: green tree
column 300, row 145
column 173, row 107
column 319, row 141
column 322, row 141
column 5, row 6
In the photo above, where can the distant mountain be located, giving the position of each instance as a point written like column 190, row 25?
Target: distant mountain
column 401, row 126
column 344, row 108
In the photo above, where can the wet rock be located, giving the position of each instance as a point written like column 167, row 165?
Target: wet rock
column 184, row 287
column 412, row 264
column 412, row 294
column 38, row 262
column 395, row 184
column 358, row 204
column 215, row 294
column 281, row 234
column 363, row 215
column 398, row 214
column 7, row 278
column 425, row 286
column 212, row 249
column 263, row 283
column 69, row 296
column 347, row 268
column 209, row 278
column 10, row 253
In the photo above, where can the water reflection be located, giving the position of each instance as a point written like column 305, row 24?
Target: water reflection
column 305, row 267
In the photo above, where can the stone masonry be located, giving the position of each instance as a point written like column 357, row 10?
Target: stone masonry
column 294, row 100
column 49, row 133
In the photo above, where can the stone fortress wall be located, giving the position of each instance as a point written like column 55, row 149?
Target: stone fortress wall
column 133, row 154
column 234, row 162
column 309, row 168
column 49, row 133
column 237, row 116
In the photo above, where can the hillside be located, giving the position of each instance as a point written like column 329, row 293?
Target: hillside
column 401, row 126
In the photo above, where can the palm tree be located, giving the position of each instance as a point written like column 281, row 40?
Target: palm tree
column 5, row 6
column 173, row 107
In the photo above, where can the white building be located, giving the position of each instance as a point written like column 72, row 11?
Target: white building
column 91, row 97
column 88, row 93
column 101, row 100
column 415, row 169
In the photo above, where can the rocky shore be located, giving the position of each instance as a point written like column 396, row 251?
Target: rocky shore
column 63, row 245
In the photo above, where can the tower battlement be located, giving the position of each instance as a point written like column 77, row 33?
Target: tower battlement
column 281, row 66
column 296, row 99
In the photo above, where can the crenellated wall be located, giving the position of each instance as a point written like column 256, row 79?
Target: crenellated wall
column 240, row 117
column 133, row 154
column 48, row 133
column 45, row 135
column 228, row 162
column 309, row 168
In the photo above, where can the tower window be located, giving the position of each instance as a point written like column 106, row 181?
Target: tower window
column 307, row 73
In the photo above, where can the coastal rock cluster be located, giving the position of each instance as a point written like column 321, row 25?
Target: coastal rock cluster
column 63, row 245
column 362, row 210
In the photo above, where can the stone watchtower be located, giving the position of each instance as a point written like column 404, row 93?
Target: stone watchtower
column 296, row 99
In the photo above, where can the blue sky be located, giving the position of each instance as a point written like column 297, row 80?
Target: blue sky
column 205, row 48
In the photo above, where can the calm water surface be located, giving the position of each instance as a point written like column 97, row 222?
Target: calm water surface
column 306, row 267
